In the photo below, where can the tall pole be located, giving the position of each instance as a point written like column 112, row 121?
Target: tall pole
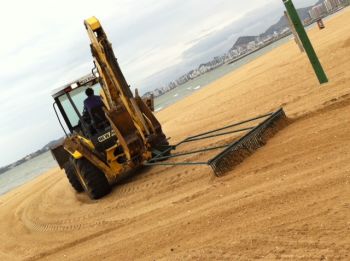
column 299, row 27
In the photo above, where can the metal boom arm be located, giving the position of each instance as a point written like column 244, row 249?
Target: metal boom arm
column 135, row 125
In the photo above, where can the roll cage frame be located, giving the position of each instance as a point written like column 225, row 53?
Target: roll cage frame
column 87, row 80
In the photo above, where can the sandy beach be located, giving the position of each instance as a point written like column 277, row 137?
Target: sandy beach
column 288, row 201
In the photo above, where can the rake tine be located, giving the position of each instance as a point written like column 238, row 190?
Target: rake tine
column 246, row 145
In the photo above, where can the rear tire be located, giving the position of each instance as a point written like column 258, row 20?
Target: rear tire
column 73, row 179
column 92, row 179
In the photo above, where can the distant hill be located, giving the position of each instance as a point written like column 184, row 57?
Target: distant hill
column 32, row 155
column 277, row 27
column 244, row 40
column 282, row 22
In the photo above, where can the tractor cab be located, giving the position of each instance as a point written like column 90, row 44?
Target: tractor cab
column 93, row 124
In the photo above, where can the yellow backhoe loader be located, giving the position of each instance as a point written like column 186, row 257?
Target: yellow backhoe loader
column 112, row 138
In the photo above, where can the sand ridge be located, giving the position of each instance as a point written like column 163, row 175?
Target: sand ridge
column 289, row 201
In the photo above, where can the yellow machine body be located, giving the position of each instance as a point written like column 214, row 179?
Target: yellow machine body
column 133, row 123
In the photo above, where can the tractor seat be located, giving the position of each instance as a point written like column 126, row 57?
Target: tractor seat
column 99, row 120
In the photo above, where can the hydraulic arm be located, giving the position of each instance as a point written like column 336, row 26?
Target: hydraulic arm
column 132, row 121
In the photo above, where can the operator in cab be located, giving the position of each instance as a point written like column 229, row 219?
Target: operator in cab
column 93, row 106
column 92, row 101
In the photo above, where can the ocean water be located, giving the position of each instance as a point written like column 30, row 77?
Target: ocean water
column 26, row 172
column 39, row 165
column 196, row 84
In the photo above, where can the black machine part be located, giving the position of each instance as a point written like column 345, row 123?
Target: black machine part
column 60, row 155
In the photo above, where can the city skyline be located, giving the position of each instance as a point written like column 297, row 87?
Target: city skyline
column 250, row 44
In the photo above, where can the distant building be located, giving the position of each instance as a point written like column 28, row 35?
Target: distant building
column 218, row 59
column 318, row 11
column 203, row 68
column 194, row 74
column 328, row 5
column 234, row 52
column 307, row 20
column 172, row 85
column 268, row 39
column 260, row 44
column 333, row 4
column 241, row 49
column 251, row 45
column 157, row 92
column 285, row 30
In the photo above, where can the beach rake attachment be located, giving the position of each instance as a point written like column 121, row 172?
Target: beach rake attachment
column 252, row 138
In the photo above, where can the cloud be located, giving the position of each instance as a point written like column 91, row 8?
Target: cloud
column 217, row 37
column 45, row 45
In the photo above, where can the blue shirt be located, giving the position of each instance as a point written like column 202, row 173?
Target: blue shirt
column 92, row 102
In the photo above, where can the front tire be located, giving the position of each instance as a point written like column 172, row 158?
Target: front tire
column 92, row 179
column 72, row 176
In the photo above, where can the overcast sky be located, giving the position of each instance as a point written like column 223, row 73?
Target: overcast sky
column 45, row 45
